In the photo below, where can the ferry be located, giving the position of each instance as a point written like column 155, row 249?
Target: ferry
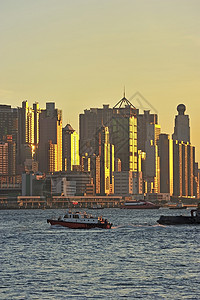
column 80, row 220
column 133, row 204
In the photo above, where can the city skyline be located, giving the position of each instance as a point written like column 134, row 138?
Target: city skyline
column 80, row 54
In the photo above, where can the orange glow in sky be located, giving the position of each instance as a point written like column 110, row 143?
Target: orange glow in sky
column 81, row 53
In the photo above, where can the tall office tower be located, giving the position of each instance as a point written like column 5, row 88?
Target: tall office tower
column 89, row 123
column 106, row 153
column 124, row 134
column 3, row 158
column 11, row 155
column 166, row 163
column 70, row 148
column 9, row 128
column 191, row 170
column 50, row 139
column 85, row 162
column 36, row 112
column 182, row 125
column 177, row 169
column 26, row 142
column 183, row 169
column 122, row 123
column 152, row 163
column 143, row 120
column 8, row 122
column 184, row 156
column 95, row 167
column 26, row 124
column 196, row 180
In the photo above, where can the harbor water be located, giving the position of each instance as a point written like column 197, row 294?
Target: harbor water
column 136, row 259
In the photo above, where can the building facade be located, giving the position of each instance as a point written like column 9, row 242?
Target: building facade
column 50, row 139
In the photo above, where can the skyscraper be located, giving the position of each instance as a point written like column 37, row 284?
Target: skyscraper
column 105, row 151
column 143, row 120
column 9, row 134
column 50, row 139
column 182, row 125
column 70, row 146
column 152, row 163
column 28, row 138
column 166, row 163
column 121, row 121
column 124, row 134
column 3, row 158
column 183, row 156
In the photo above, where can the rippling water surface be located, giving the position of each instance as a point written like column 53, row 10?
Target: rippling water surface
column 136, row 259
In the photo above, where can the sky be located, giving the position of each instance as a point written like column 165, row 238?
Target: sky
column 81, row 53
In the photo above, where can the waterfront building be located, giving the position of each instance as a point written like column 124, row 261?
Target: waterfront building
column 61, row 186
column 50, row 139
column 128, row 183
column 82, row 179
column 123, row 183
column 70, row 148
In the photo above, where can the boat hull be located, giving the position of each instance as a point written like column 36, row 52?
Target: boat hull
column 178, row 220
column 79, row 225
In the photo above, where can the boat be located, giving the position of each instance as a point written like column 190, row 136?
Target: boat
column 133, row 204
column 178, row 206
column 80, row 220
column 181, row 220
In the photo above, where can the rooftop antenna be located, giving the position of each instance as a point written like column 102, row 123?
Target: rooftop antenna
column 124, row 92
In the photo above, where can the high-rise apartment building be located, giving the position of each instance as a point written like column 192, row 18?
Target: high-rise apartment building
column 70, row 148
column 50, row 139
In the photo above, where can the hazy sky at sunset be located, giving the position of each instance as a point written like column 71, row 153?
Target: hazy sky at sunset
column 81, row 53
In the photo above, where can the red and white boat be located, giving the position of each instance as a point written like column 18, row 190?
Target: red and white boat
column 131, row 204
column 80, row 220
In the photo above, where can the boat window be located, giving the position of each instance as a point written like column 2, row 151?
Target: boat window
column 66, row 216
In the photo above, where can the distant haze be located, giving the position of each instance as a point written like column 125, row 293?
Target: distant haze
column 81, row 53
